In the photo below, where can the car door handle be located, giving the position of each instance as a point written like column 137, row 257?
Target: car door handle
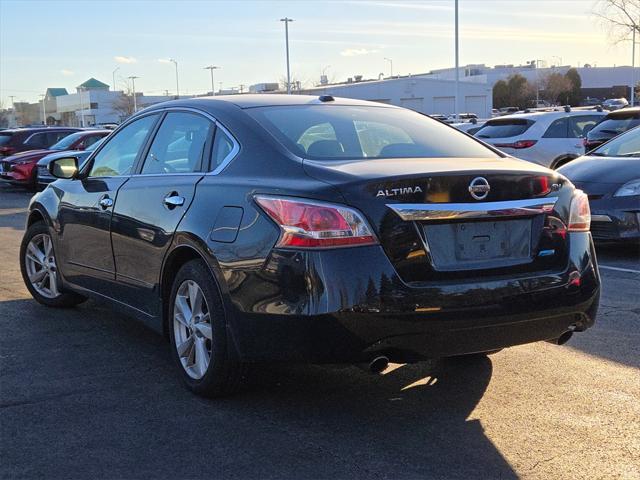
column 105, row 203
column 173, row 201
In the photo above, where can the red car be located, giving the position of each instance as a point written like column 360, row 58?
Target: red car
column 16, row 140
column 21, row 168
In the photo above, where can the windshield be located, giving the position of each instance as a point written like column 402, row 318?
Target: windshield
column 614, row 126
column 326, row 132
column 626, row 145
column 504, row 128
column 66, row 142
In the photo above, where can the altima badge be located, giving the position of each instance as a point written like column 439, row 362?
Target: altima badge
column 479, row 188
column 394, row 192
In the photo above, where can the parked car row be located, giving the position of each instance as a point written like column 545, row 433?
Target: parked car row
column 28, row 147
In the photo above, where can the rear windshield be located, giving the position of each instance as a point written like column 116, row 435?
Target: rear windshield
column 615, row 126
column 67, row 141
column 326, row 132
column 4, row 138
column 504, row 128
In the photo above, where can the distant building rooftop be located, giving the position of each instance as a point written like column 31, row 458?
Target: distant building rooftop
column 93, row 83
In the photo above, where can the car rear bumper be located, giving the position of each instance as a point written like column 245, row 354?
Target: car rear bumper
column 348, row 305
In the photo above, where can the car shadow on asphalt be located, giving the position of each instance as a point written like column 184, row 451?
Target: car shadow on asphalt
column 100, row 398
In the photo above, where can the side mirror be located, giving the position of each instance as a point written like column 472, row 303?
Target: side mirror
column 66, row 167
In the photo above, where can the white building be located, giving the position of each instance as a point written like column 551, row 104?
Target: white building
column 93, row 103
column 419, row 93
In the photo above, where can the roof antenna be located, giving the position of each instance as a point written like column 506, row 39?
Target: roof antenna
column 326, row 98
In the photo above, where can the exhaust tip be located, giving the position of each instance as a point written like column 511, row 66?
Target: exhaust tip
column 562, row 339
column 378, row 364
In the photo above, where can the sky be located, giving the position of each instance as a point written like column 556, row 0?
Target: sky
column 63, row 43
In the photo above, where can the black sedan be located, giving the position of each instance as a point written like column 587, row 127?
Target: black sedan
column 312, row 229
column 610, row 175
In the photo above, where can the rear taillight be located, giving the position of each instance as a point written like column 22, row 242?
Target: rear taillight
column 580, row 213
column 311, row 224
column 517, row 145
column 6, row 150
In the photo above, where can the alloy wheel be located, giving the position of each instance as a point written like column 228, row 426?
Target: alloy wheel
column 41, row 266
column 192, row 329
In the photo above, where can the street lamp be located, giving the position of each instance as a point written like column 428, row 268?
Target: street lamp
column 390, row 65
column 80, row 90
column 133, row 87
column 44, row 114
column 211, row 68
column 113, row 74
column 177, row 87
column 456, row 106
column 286, row 21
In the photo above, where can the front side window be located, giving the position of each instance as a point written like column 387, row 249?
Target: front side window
column 579, row 125
column 178, row 147
column 327, row 132
column 118, row 156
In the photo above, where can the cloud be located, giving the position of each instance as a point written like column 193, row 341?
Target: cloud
column 121, row 59
column 66, row 73
column 354, row 52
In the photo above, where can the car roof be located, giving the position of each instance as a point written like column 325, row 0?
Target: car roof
column 624, row 112
column 37, row 129
column 269, row 100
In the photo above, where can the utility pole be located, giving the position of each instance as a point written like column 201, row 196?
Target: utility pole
column 12, row 102
column 113, row 75
column 241, row 88
column 211, row 68
column 44, row 111
column 286, row 21
column 166, row 93
column 633, row 66
column 390, row 65
column 133, row 87
column 457, row 88
column 177, row 86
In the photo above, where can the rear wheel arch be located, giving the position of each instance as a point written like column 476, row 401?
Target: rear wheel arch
column 560, row 161
column 178, row 257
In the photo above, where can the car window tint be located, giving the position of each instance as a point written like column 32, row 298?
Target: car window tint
column 119, row 154
column 88, row 141
column 222, row 147
column 55, row 137
column 361, row 132
column 37, row 140
column 578, row 124
column 374, row 136
column 179, row 144
column 4, row 138
column 557, row 129
column 316, row 133
column 627, row 145
column 504, row 128
column 615, row 126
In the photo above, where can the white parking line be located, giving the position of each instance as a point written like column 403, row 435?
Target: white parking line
column 618, row 269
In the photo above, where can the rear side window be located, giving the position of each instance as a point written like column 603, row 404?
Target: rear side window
column 179, row 144
column 222, row 147
column 54, row 137
column 327, row 132
column 37, row 140
column 557, row 129
column 615, row 126
column 504, row 128
column 5, row 138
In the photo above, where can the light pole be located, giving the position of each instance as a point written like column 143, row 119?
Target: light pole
column 286, row 21
column 177, row 86
column 211, row 68
column 633, row 65
column 133, row 87
column 537, row 83
column 113, row 75
column 457, row 87
column 80, row 90
column 44, row 112
column 390, row 65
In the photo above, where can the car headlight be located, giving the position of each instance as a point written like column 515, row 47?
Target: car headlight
column 628, row 189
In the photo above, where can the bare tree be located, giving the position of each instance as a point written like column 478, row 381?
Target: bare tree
column 124, row 105
column 620, row 17
column 556, row 88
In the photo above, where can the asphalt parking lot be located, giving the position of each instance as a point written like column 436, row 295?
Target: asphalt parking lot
column 87, row 393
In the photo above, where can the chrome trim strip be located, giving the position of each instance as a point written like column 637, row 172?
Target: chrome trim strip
column 451, row 211
column 601, row 218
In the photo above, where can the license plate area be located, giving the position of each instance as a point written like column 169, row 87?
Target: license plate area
column 479, row 245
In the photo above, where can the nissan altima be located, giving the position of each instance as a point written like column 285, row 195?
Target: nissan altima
column 258, row 228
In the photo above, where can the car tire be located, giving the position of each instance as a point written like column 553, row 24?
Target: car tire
column 200, row 346
column 40, row 273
